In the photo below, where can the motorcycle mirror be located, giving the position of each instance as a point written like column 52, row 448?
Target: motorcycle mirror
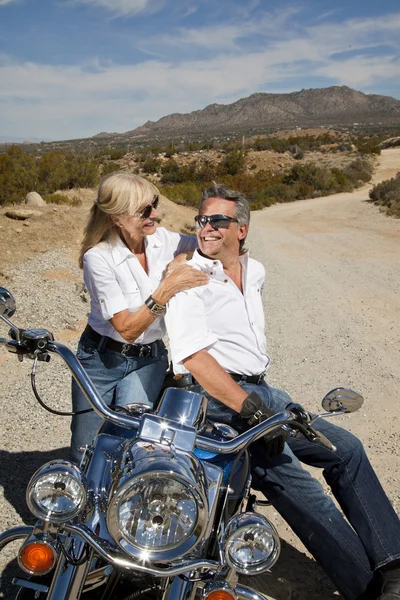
column 7, row 303
column 342, row 400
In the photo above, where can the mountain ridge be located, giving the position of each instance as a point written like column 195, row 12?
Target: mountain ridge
column 308, row 107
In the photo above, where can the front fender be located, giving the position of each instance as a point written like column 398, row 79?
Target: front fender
column 16, row 533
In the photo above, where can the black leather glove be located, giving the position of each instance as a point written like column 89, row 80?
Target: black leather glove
column 253, row 412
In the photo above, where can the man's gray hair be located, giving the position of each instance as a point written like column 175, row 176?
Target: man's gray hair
column 242, row 208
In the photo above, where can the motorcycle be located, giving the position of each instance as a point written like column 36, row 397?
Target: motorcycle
column 160, row 506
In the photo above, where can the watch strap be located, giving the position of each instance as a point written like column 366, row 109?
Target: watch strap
column 154, row 307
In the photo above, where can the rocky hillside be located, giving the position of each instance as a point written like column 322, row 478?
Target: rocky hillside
column 337, row 105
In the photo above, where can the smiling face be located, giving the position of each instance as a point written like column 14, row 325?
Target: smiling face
column 136, row 227
column 221, row 244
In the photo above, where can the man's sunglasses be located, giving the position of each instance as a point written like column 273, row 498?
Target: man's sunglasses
column 216, row 221
column 146, row 212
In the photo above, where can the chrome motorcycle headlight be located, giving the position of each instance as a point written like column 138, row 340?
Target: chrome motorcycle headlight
column 57, row 492
column 252, row 544
column 158, row 515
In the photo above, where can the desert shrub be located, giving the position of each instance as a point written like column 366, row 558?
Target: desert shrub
column 109, row 167
column 62, row 199
column 188, row 194
column 232, row 163
column 387, row 195
column 116, row 154
column 18, row 175
column 152, row 165
column 55, row 170
column 318, row 178
column 359, row 171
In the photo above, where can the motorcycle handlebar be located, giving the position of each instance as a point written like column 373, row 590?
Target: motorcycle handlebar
column 130, row 422
column 231, row 446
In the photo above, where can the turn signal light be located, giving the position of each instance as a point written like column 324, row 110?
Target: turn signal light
column 220, row 595
column 37, row 558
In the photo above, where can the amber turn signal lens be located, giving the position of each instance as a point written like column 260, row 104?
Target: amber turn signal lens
column 220, row 595
column 37, row 558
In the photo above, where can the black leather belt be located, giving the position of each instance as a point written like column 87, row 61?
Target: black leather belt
column 257, row 379
column 141, row 350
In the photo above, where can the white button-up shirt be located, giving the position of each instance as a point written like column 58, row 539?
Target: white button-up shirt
column 116, row 280
column 219, row 318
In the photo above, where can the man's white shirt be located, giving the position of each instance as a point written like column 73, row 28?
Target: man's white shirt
column 116, row 280
column 219, row 318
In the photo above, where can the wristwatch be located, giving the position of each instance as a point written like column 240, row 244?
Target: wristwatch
column 154, row 307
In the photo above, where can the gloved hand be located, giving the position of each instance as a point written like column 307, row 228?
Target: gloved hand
column 253, row 412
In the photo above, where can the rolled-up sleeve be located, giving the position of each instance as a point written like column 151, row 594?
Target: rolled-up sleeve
column 187, row 327
column 103, row 287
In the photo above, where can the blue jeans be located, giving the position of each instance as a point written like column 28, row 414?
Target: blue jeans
column 119, row 380
column 348, row 550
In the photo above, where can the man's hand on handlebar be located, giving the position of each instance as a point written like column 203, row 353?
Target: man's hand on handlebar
column 253, row 412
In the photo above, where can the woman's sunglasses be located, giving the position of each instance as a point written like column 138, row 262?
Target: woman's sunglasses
column 146, row 212
column 216, row 221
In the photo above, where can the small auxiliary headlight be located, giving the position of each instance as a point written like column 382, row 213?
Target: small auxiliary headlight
column 57, row 492
column 252, row 544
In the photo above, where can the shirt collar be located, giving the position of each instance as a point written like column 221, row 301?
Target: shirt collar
column 121, row 252
column 208, row 264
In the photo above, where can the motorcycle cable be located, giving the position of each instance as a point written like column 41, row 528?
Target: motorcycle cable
column 229, row 490
column 59, row 412
column 71, row 559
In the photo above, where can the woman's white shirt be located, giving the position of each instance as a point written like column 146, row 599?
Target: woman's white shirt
column 116, row 280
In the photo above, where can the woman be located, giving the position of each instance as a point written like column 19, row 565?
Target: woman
column 124, row 256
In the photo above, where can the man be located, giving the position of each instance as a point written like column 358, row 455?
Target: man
column 217, row 333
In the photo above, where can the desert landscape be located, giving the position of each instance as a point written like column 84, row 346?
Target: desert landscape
column 332, row 305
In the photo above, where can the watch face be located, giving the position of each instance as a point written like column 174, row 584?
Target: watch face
column 158, row 309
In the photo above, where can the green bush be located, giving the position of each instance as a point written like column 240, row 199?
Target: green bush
column 359, row 171
column 232, row 163
column 387, row 195
column 109, row 167
column 188, row 194
column 152, row 165
column 55, row 170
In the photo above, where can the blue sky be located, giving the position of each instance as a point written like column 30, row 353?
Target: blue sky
column 73, row 68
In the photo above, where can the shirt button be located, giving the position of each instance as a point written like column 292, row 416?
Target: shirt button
column 215, row 262
column 225, row 281
column 211, row 272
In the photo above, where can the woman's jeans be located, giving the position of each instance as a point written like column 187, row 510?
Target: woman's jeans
column 348, row 554
column 120, row 380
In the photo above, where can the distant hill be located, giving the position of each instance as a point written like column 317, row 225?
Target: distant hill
column 332, row 106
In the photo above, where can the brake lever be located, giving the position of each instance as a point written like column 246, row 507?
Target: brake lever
column 313, row 435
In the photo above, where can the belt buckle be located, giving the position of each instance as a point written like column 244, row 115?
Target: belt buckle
column 125, row 348
column 260, row 378
column 145, row 351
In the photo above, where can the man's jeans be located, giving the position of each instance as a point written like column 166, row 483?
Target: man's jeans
column 120, row 380
column 348, row 554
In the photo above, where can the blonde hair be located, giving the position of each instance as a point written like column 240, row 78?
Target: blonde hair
column 119, row 193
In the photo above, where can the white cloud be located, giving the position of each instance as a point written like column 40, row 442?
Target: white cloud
column 362, row 71
column 4, row 2
column 56, row 101
column 125, row 7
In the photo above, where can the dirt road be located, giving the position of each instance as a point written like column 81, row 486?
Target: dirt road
column 332, row 305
